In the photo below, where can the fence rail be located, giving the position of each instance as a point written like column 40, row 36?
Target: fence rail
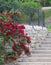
column 36, row 16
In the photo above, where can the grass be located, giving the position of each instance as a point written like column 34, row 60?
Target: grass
column 47, row 13
column 49, row 28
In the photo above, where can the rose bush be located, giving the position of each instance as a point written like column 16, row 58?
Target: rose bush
column 13, row 40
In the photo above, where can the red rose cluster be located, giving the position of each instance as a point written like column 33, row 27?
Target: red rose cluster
column 12, row 35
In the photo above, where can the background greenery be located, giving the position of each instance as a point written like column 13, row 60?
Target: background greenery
column 47, row 13
column 22, row 6
column 25, row 7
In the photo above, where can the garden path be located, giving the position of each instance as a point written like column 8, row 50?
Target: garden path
column 41, row 55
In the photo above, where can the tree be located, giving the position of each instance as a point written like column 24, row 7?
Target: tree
column 45, row 2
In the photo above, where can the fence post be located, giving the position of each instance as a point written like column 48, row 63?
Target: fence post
column 38, row 18
column 43, row 18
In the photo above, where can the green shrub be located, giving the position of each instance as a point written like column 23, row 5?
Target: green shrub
column 8, row 5
column 31, row 4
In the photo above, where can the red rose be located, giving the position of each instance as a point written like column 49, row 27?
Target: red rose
column 2, row 33
column 22, row 46
column 3, row 25
column 1, row 20
column 8, row 19
column 13, row 28
column 8, row 37
column 27, row 51
column 15, row 23
column 20, row 52
column 9, row 32
column 21, row 27
column 6, row 34
column 7, row 13
column 10, row 23
column 14, row 44
column 28, row 39
column 7, row 26
column 13, row 47
column 21, row 31
column 0, row 29
column 12, row 57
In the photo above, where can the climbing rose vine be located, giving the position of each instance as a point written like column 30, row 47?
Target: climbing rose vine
column 13, row 40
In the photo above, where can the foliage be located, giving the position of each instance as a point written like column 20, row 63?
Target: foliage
column 13, row 40
column 47, row 13
column 30, row 9
column 31, row 4
column 45, row 2
column 20, row 6
column 8, row 5
column 15, row 5
column 49, row 28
